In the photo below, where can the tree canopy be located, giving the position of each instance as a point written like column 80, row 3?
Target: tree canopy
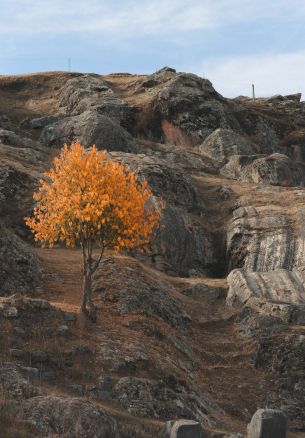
column 87, row 199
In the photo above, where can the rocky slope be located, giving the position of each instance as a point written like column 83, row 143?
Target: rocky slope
column 173, row 338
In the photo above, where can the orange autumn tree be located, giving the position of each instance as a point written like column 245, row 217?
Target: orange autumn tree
column 88, row 200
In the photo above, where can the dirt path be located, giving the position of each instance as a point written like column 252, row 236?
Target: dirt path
column 62, row 277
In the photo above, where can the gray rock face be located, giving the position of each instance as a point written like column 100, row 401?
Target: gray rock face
column 90, row 128
column 166, row 182
column 73, row 417
column 223, row 143
column 19, row 266
column 276, row 169
column 262, row 239
column 267, row 423
column 181, row 243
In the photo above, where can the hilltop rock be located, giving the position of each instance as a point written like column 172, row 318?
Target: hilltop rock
column 90, row 128
column 91, row 92
column 223, row 143
column 191, row 103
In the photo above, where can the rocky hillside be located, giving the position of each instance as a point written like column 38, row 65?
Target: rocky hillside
column 210, row 326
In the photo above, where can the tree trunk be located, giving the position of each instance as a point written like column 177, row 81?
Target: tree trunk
column 87, row 290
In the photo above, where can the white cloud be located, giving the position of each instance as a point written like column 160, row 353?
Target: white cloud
column 271, row 73
column 131, row 17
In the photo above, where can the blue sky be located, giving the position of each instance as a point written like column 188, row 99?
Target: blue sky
column 234, row 43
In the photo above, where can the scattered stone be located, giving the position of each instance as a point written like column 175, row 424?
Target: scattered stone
column 63, row 330
column 10, row 312
column 67, row 316
column 17, row 354
column 105, row 386
column 48, row 376
column 39, row 356
column 81, row 349
column 30, row 372
column 78, row 389
column 18, row 331
column 105, row 383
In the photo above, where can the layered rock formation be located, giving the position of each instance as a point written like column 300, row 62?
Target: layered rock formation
column 230, row 174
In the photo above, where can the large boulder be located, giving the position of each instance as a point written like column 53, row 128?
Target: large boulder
column 265, row 239
column 275, row 169
column 90, row 128
column 183, row 429
column 223, row 143
column 267, row 423
column 278, row 293
column 70, row 417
